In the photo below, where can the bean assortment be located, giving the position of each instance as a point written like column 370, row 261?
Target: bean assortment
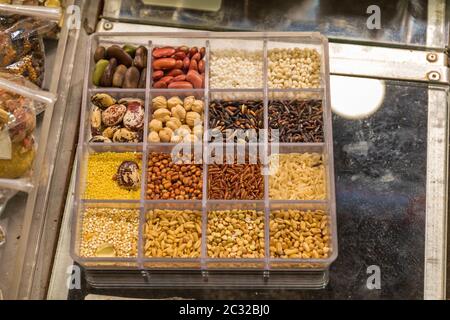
column 178, row 67
column 168, row 180
column 173, row 233
column 237, row 121
column 116, row 121
column 120, row 67
column 296, row 121
column 235, row 234
column 220, row 229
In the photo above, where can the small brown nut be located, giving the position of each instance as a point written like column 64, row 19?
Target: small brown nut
column 197, row 106
column 179, row 112
column 188, row 101
column 153, row 137
column 159, row 102
column 173, row 102
column 193, row 118
column 162, row 114
column 173, row 123
column 165, row 134
column 155, row 125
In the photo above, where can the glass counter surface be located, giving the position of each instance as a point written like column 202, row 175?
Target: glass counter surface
column 380, row 166
column 401, row 22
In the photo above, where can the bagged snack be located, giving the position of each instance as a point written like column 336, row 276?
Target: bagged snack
column 17, row 145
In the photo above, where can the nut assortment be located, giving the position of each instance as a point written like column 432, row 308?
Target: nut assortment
column 178, row 67
column 107, row 232
column 175, row 120
column 116, row 120
column 235, row 234
column 207, row 211
column 299, row 234
column 169, row 180
column 120, row 67
column 173, row 233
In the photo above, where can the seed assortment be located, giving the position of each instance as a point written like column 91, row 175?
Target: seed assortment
column 297, row 176
column 173, row 233
column 296, row 121
column 113, row 175
column 237, row 121
column 235, row 234
column 247, row 69
column 247, row 212
column 116, row 121
column 168, row 180
column 178, row 67
column 108, row 232
column 296, row 234
column 175, row 120
column 294, row 68
column 235, row 182
column 120, row 67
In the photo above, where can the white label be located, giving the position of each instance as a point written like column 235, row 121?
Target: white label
column 5, row 145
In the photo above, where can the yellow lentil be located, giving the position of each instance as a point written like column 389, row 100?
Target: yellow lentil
column 118, row 227
column 100, row 172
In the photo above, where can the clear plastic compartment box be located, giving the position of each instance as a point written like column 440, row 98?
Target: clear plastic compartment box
column 205, row 271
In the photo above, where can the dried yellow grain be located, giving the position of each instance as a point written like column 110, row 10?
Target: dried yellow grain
column 297, row 176
column 100, row 172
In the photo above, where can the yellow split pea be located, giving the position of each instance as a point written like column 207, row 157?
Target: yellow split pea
column 100, row 172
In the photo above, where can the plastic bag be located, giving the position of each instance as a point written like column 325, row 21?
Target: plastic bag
column 5, row 196
column 17, row 125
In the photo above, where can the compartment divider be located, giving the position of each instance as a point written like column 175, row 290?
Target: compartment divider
column 205, row 142
column 266, row 158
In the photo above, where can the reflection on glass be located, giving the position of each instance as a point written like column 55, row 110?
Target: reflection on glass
column 356, row 98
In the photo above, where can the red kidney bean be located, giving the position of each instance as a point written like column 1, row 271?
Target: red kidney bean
column 158, row 75
column 201, row 66
column 178, row 64
column 193, row 51
column 163, row 52
column 160, row 84
column 194, row 78
column 180, row 55
column 197, row 57
column 203, row 51
column 193, row 65
column 186, row 63
column 181, row 77
column 164, row 64
column 166, row 79
column 180, row 85
column 175, row 72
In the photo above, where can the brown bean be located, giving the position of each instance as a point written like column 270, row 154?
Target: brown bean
column 193, row 51
column 143, row 78
column 163, row 52
column 164, row 64
column 184, row 49
column 194, row 78
column 178, row 64
column 203, row 79
column 119, row 76
column 193, row 65
column 203, row 51
column 186, row 63
column 174, row 72
column 201, row 66
column 107, row 77
column 197, row 57
column 140, row 58
column 166, row 79
column 132, row 77
column 99, row 53
column 180, row 85
column 158, row 74
column 122, row 57
column 180, row 77
column 180, row 55
column 160, row 84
